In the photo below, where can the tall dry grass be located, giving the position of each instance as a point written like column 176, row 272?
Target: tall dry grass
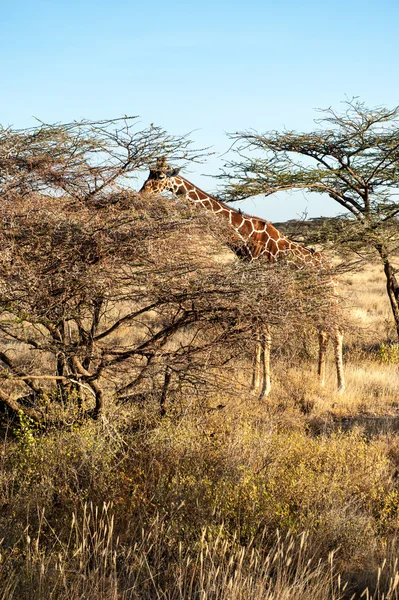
column 93, row 564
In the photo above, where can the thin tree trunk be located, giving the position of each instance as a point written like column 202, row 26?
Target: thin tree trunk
column 391, row 282
column 60, row 371
column 97, row 304
column 168, row 374
column 93, row 385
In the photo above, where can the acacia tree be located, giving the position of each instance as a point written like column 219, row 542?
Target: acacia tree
column 83, row 159
column 104, row 302
column 105, row 293
column 85, row 164
column 353, row 157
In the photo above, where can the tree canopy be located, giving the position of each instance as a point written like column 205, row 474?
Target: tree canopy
column 353, row 157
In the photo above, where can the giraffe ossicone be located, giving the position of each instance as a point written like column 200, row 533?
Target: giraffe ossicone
column 259, row 239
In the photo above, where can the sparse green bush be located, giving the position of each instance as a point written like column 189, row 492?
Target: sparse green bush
column 388, row 353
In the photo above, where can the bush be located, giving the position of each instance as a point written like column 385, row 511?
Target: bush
column 388, row 353
column 165, row 495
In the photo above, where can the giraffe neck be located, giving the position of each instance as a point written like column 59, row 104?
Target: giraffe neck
column 180, row 186
column 256, row 237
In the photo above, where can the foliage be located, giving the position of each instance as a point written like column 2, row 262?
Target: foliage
column 388, row 353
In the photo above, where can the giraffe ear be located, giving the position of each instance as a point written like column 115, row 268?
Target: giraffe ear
column 172, row 173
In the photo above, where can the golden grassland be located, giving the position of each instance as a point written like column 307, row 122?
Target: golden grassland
column 227, row 498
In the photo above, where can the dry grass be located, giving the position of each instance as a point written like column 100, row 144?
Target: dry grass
column 367, row 300
column 371, row 358
column 86, row 566
column 372, row 373
column 226, row 497
column 229, row 504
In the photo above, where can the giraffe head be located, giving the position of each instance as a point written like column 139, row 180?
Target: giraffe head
column 160, row 178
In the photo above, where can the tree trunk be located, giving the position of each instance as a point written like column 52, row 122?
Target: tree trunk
column 392, row 283
column 93, row 385
column 60, row 372
column 168, row 374
column 15, row 408
column 99, row 399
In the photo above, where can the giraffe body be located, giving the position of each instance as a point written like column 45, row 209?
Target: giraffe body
column 260, row 239
column 256, row 239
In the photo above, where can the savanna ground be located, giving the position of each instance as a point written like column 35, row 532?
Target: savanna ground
column 224, row 498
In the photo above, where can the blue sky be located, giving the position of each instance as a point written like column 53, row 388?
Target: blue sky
column 208, row 67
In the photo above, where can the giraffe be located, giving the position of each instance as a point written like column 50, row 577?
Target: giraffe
column 258, row 240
